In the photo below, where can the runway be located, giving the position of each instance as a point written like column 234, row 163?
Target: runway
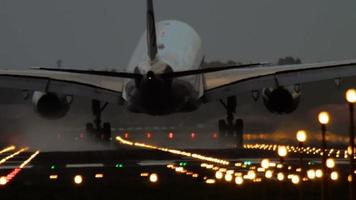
column 143, row 171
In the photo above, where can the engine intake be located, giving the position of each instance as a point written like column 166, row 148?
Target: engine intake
column 50, row 105
column 281, row 100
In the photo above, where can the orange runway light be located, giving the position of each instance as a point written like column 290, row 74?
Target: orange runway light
column 10, row 148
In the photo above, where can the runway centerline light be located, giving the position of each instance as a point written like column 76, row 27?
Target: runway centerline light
column 119, row 165
column 78, row 179
column 153, row 178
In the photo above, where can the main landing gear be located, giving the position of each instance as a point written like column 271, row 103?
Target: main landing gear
column 97, row 130
column 231, row 128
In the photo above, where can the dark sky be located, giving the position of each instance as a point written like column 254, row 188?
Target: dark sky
column 104, row 33
column 91, row 33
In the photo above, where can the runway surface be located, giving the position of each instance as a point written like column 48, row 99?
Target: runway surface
column 141, row 171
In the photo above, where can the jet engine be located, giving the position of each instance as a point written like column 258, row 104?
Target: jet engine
column 281, row 100
column 51, row 105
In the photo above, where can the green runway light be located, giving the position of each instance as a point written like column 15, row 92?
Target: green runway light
column 53, row 167
column 119, row 165
column 182, row 164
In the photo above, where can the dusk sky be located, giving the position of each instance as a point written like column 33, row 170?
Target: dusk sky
column 104, row 33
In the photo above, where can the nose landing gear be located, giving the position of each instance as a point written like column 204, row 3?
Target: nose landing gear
column 97, row 130
column 231, row 128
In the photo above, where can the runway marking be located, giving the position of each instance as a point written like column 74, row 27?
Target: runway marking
column 13, row 155
column 10, row 148
column 174, row 151
column 84, row 165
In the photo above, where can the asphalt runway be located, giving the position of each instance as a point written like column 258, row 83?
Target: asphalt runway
column 128, row 173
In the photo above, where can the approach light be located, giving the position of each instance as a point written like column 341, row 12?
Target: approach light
column 351, row 95
column 324, row 118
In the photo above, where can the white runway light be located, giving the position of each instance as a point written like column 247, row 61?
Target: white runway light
column 78, row 179
column 153, row 178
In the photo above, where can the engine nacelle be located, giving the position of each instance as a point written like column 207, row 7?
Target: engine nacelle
column 50, row 105
column 281, row 100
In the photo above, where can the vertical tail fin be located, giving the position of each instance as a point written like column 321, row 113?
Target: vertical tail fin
column 151, row 31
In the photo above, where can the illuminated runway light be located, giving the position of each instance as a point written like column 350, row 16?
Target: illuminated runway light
column 349, row 178
column 53, row 177
column 215, row 136
column 193, row 135
column 268, row 174
column 78, row 179
column 195, row 175
column 119, row 165
column 153, row 178
column 295, row 179
column 10, row 148
column 126, row 135
column 170, row 135
column 318, row 173
column 311, row 174
column 210, row 181
column 228, row 177
column 280, row 176
column 144, row 174
column 219, row 175
column 99, row 176
column 149, row 135
column 330, row 163
column 334, row 176
column 265, row 163
column 3, row 180
column 239, row 180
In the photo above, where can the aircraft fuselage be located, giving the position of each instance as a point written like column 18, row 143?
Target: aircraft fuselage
column 179, row 49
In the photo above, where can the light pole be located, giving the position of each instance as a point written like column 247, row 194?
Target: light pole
column 351, row 99
column 323, row 119
column 301, row 137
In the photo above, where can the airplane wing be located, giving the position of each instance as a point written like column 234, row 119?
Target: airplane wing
column 245, row 80
column 100, row 87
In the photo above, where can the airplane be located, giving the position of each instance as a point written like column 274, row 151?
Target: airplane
column 166, row 75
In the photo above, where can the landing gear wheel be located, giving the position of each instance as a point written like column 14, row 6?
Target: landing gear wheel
column 222, row 127
column 239, row 129
column 106, row 131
